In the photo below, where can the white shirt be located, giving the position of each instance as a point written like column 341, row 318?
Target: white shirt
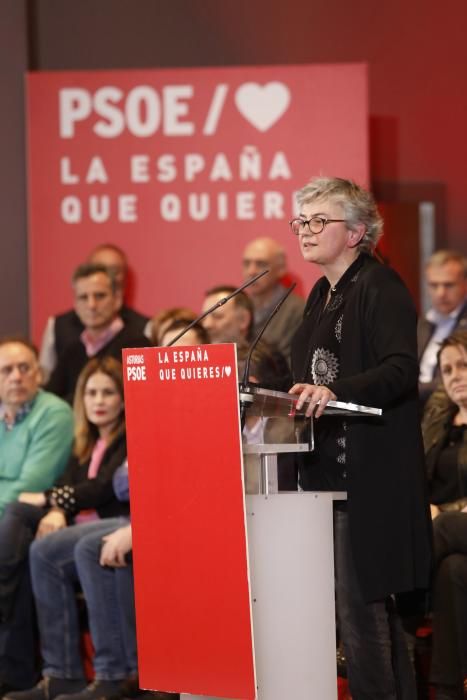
column 444, row 325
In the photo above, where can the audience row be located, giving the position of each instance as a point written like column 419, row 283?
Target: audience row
column 65, row 519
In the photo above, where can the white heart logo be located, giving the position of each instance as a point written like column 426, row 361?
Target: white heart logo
column 228, row 370
column 262, row 105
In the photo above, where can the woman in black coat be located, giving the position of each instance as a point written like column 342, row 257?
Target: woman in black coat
column 357, row 343
column 445, row 436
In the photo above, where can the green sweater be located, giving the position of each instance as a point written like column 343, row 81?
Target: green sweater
column 36, row 450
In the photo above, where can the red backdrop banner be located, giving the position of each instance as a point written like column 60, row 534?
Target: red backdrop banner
column 188, row 518
column 180, row 168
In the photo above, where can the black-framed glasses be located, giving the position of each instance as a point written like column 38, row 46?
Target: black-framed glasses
column 316, row 224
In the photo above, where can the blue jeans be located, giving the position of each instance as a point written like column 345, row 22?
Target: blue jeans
column 378, row 663
column 109, row 597
column 54, row 578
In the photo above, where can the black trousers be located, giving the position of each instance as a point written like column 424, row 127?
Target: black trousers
column 378, row 663
column 449, row 651
column 18, row 636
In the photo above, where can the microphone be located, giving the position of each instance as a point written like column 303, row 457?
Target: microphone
column 219, row 303
column 245, row 386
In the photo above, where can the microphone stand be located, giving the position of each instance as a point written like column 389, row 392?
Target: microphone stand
column 245, row 385
column 215, row 306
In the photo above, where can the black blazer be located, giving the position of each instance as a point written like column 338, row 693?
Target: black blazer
column 437, row 420
column 68, row 327
column 98, row 493
column 389, row 520
column 65, row 375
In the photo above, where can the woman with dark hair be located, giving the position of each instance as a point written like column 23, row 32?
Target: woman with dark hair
column 163, row 319
column 57, row 519
column 445, row 436
column 197, row 335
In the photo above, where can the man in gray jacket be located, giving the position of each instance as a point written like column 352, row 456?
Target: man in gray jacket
column 446, row 278
column 266, row 254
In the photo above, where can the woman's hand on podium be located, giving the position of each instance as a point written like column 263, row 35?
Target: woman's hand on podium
column 319, row 398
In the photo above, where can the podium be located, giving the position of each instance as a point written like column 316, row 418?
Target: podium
column 271, row 631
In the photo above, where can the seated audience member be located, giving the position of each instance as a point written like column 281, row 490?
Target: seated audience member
column 105, row 570
column 82, row 499
column 98, row 302
column 446, row 278
column 264, row 371
column 65, row 328
column 195, row 336
column 36, row 432
column 106, row 579
column 233, row 321
column 272, row 370
column 445, row 436
column 116, row 261
column 36, row 427
column 164, row 318
column 259, row 255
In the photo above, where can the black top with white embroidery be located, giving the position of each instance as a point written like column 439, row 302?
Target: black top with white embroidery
column 74, row 491
column 316, row 360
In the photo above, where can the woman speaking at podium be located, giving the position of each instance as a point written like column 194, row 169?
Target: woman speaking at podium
column 357, row 343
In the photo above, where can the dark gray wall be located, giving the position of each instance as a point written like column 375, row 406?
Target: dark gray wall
column 13, row 258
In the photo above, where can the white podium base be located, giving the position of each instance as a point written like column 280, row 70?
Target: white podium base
column 290, row 541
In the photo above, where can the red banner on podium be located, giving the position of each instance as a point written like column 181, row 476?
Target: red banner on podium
column 188, row 513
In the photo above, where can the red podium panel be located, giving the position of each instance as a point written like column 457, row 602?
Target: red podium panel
column 188, row 514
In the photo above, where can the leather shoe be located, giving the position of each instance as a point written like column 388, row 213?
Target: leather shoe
column 46, row 689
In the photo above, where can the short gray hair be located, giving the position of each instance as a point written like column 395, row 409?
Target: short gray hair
column 358, row 205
